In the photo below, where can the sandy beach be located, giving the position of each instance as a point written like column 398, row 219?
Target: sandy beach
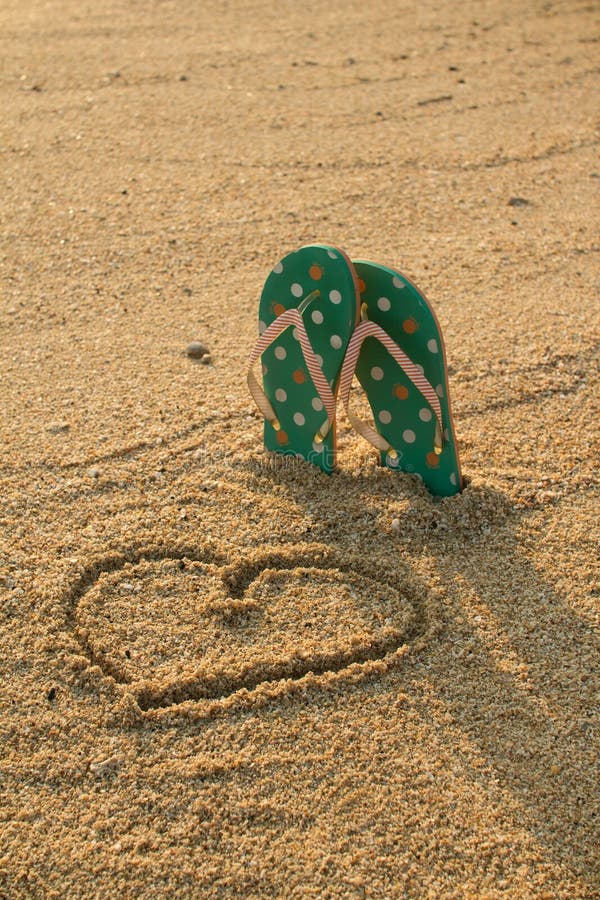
column 224, row 673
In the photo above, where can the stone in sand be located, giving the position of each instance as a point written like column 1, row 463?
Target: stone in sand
column 197, row 350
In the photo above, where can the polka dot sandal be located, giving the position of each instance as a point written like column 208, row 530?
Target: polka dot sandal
column 308, row 311
column 398, row 356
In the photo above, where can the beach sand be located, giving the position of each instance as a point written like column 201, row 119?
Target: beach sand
column 227, row 674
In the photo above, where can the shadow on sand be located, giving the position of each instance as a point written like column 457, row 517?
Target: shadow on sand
column 513, row 667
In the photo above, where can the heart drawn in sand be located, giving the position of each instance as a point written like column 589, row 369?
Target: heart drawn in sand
column 182, row 624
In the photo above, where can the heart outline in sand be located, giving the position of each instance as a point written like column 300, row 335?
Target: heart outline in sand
column 243, row 588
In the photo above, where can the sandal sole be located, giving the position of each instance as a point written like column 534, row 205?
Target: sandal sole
column 401, row 413
column 329, row 321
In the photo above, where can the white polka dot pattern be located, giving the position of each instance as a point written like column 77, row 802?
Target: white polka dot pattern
column 320, row 283
column 367, row 329
column 314, row 363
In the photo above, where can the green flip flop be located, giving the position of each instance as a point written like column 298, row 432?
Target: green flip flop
column 308, row 310
column 398, row 356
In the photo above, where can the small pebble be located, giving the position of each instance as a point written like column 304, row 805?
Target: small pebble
column 93, row 472
column 518, row 201
column 58, row 427
column 206, row 359
column 51, row 694
column 105, row 766
column 396, row 526
column 196, row 350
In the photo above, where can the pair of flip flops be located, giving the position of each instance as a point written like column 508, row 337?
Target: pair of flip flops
column 325, row 319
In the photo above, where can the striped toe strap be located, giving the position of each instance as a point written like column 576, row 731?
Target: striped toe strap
column 412, row 371
column 291, row 317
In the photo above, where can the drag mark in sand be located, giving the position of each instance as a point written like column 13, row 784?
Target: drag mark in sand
column 179, row 624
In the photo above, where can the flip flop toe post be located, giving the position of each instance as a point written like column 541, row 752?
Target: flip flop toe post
column 398, row 356
column 308, row 310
